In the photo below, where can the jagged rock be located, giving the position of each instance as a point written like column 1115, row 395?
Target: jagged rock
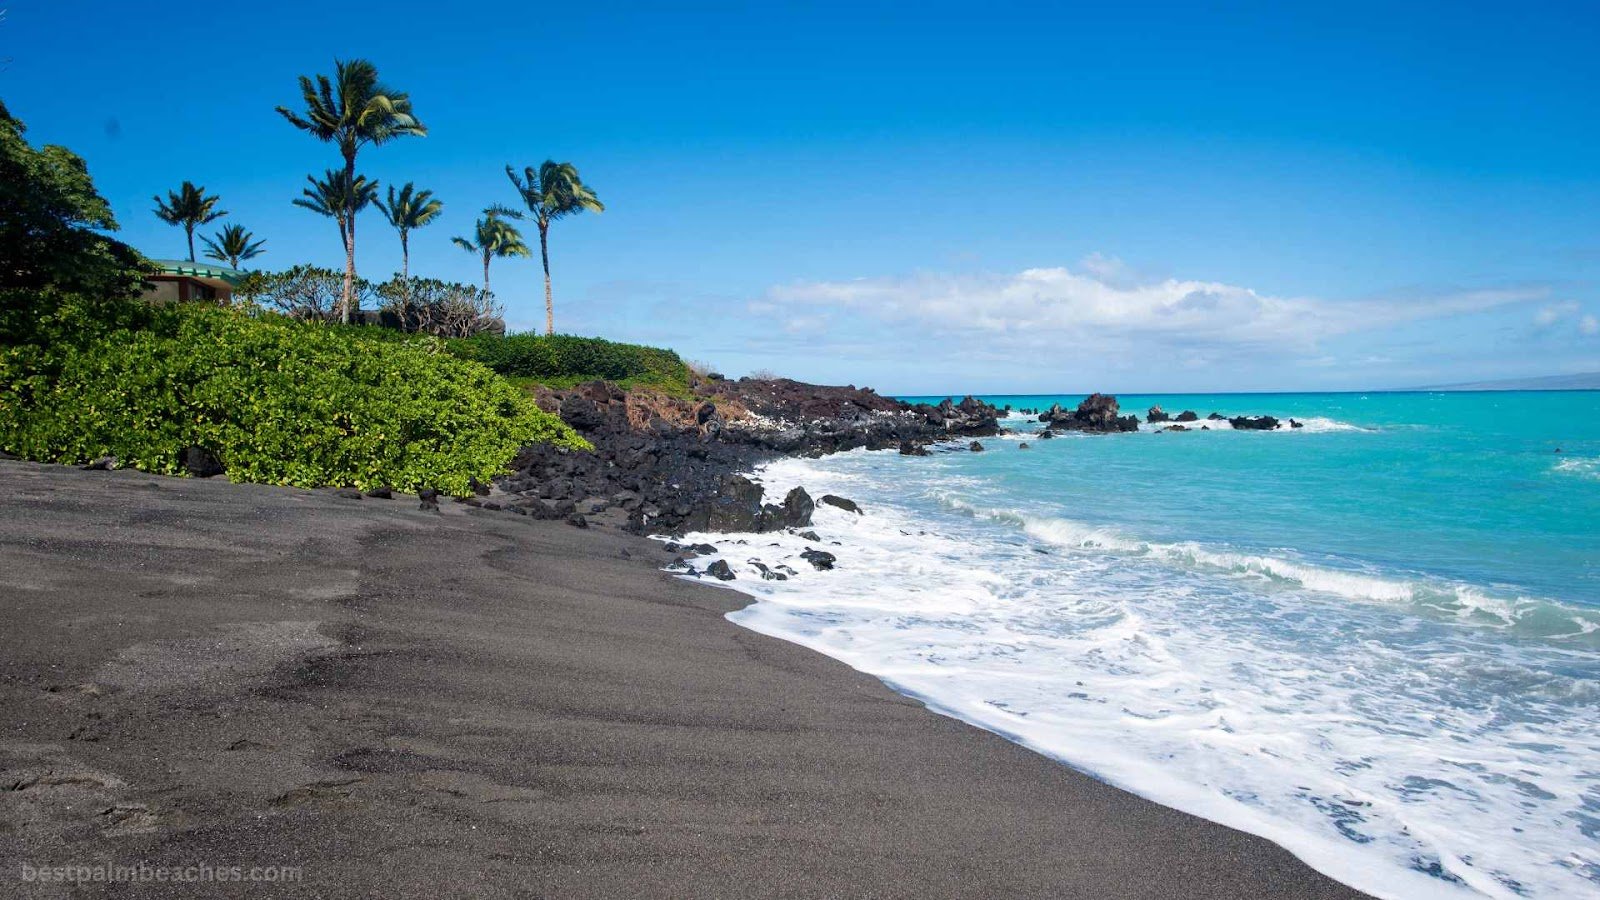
column 348, row 493
column 576, row 520
column 1023, row 446
column 103, row 464
column 1176, row 428
column 1187, row 416
column 1253, row 423
column 1296, row 424
column 200, row 462
column 768, row 574
column 907, row 448
column 381, row 493
column 1155, row 414
column 720, row 570
column 1098, row 413
column 429, row 498
column 842, row 503
column 798, row 507
column 821, row 560
column 1216, row 417
column 810, row 536
column 1046, row 435
column 975, row 447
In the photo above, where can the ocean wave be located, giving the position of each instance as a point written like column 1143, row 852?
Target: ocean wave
column 1407, row 760
column 1459, row 602
column 1308, row 425
column 1582, row 467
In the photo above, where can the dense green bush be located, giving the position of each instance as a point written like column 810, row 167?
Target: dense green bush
column 562, row 358
column 280, row 401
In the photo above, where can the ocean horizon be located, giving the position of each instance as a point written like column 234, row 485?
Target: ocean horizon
column 1373, row 639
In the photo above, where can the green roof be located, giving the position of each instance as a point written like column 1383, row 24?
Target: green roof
column 199, row 270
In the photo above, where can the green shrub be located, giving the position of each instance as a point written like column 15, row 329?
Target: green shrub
column 279, row 401
column 561, row 359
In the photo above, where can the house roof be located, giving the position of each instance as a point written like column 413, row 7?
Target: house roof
column 202, row 271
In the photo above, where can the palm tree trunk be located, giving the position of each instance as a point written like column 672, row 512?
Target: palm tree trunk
column 405, row 259
column 350, row 236
column 189, row 230
column 349, row 267
column 549, row 302
column 486, row 272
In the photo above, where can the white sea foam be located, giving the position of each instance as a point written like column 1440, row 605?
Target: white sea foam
column 1582, row 467
column 1358, row 719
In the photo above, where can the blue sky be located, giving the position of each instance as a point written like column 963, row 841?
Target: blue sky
column 923, row 197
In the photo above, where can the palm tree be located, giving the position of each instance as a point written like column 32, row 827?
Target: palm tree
column 340, row 197
column 553, row 192
column 351, row 110
column 190, row 207
column 233, row 244
column 493, row 237
column 407, row 209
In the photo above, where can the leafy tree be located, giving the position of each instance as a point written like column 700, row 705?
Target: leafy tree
column 188, row 207
column 351, row 110
column 406, row 210
column 440, row 308
column 53, row 258
column 493, row 237
column 233, row 244
column 341, row 196
column 552, row 192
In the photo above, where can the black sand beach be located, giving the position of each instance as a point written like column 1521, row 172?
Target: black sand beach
column 469, row 703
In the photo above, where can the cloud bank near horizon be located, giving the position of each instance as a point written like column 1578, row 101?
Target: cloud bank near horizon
column 1102, row 301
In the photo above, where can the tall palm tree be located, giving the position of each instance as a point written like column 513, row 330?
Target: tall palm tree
column 494, row 236
column 552, row 192
column 340, row 196
column 351, row 110
column 233, row 244
column 189, row 207
column 408, row 209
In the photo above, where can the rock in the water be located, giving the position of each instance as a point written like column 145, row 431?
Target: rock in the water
column 1046, row 435
column 1296, row 424
column 1215, row 417
column 811, row 536
column 797, row 508
column 821, row 560
column 1176, row 428
column 768, row 574
column 720, row 570
column 1253, row 423
column 841, row 502
column 908, row 448
column 1098, row 413
column 1023, row 446
column 1187, row 415
column 975, row 447
column 200, row 462
column 1156, row 414
column 103, row 464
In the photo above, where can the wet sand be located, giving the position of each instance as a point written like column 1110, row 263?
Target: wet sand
column 470, row 703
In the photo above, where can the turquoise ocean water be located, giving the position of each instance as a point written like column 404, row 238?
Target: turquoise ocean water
column 1374, row 640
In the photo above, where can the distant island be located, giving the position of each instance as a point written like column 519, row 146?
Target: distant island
column 1585, row 381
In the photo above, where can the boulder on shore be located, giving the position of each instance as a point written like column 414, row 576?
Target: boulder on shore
column 841, row 502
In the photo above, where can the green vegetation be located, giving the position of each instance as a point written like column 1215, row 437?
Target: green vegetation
column 189, row 208
column 351, row 110
column 233, row 245
column 562, row 360
column 280, row 401
column 552, row 192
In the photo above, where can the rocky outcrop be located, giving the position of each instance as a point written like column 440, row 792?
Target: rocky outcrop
column 1253, row 423
column 1187, row 415
column 1098, row 413
column 1156, row 414
column 843, row 503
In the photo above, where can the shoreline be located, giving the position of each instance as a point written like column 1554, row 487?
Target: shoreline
column 472, row 703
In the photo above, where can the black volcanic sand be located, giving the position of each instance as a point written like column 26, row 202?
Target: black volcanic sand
column 469, row 703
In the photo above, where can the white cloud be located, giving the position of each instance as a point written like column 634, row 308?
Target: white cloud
column 1104, row 303
column 1589, row 325
column 1555, row 312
